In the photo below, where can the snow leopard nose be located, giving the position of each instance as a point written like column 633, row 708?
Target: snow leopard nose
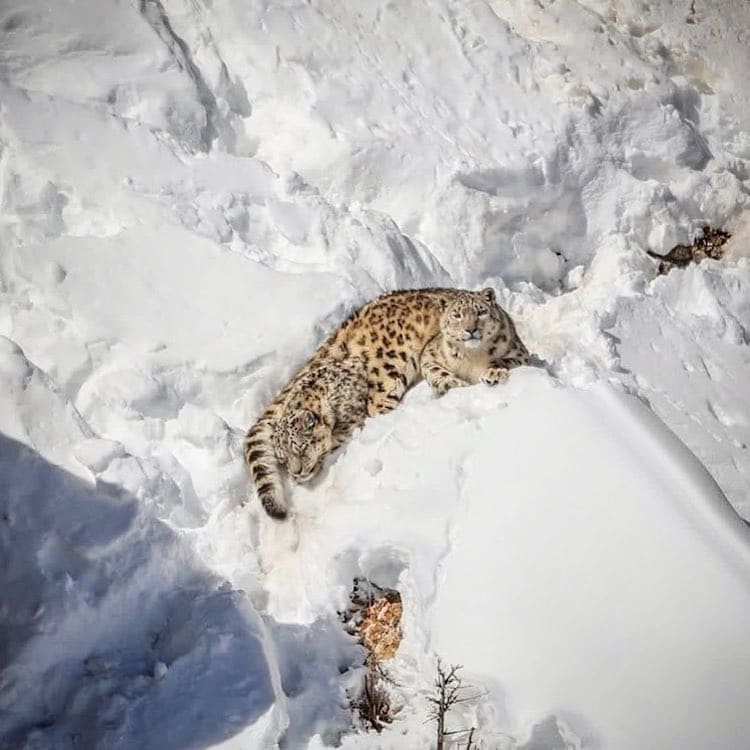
column 473, row 332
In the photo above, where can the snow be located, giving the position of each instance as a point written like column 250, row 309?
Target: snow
column 192, row 195
column 610, row 639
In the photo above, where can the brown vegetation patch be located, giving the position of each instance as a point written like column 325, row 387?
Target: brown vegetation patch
column 709, row 244
column 374, row 616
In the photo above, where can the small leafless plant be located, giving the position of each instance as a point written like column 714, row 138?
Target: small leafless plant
column 449, row 691
column 373, row 704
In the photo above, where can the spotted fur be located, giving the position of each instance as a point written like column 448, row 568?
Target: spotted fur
column 382, row 349
column 389, row 334
column 315, row 414
column 477, row 343
column 451, row 337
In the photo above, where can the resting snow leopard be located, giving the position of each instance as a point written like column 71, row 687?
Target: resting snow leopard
column 451, row 337
column 309, row 419
column 477, row 342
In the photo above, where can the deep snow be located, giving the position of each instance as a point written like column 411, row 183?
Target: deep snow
column 193, row 194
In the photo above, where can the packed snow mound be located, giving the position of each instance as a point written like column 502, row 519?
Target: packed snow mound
column 192, row 195
column 614, row 556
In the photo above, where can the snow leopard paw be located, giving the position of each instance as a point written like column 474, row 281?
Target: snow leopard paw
column 494, row 375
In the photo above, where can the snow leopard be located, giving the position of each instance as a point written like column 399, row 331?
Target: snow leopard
column 450, row 337
column 310, row 418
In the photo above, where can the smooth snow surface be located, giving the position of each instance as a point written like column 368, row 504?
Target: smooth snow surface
column 193, row 194
column 608, row 607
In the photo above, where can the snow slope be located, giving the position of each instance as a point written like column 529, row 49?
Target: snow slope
column 193, row 194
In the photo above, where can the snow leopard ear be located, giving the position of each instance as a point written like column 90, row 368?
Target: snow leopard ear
column 488, row 294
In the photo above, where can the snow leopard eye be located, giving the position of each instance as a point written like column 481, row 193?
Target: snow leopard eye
column 484, row 313
column 455, row 315
column 305, row 421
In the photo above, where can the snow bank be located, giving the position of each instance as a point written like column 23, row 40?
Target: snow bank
column 571, row 574
column 192, row 195
column 623, row 595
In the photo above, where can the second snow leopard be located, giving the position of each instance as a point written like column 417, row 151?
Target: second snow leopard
column 309, row 419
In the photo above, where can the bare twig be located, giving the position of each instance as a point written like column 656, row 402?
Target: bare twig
column 449, row 692
column 373, row 704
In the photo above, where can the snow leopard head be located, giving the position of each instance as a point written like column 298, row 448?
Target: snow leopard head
column 303, row 437
column 472, row 319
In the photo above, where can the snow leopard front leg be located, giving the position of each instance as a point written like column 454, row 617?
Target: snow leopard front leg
column 345, row 425
column 441, row 379
column 386, row 397
column 348, row 395
column 497, row 372
column 517, row 354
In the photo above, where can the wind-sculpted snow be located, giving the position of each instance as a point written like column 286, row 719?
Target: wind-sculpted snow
column 700, row 391
column 193, row 195
column 103, row 646
column 612, row 570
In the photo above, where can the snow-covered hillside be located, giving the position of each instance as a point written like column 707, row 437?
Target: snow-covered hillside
column 192, row 194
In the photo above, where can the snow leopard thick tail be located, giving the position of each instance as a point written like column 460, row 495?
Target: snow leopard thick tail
column 263, row 465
